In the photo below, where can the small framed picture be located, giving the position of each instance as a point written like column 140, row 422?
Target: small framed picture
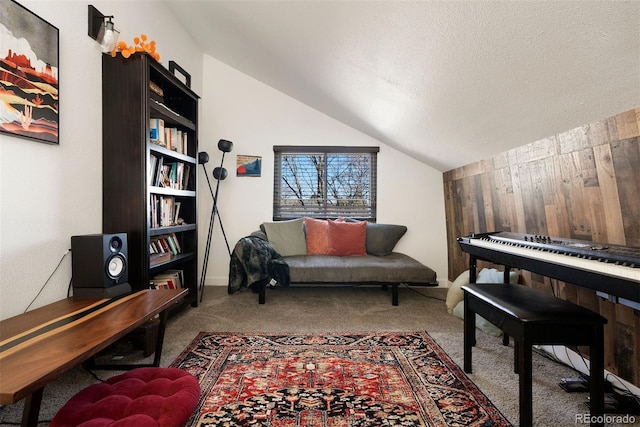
column 249, row 165
column 29, row 105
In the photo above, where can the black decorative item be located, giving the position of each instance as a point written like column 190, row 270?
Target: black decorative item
column 29, row 102
column 173, row 67
column 219, row 174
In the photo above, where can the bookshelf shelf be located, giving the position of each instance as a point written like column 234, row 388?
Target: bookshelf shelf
column 162, row 112
column 158, row 231
column 172, row 192
column 174, row 261
column 146, row 185
column 162, row 151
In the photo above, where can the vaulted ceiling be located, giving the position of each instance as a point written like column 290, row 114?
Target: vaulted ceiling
column 447, row 82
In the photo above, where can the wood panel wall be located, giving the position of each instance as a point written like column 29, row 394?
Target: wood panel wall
column 580, row 184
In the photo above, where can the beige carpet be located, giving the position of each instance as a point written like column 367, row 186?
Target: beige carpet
column 324, row 309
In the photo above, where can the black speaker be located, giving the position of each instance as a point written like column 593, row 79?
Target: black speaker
column 99, row 265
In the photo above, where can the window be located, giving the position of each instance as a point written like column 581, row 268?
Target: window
column 324, row 182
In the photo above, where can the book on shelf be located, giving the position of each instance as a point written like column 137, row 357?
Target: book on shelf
column 152, row 168
column 170, row 279
column 172, row 246
column 171, row 138
column 176, row 175
column 165, row 176
column 156, row 177
column 185, row 143
column 177, row 242
column 161, row 211
column 157, row 132
column 168, row 174
column 164, row 211
column 166, row 243
column 176, row 211
column 166, row 214
column 186, row 175
column 176, row 140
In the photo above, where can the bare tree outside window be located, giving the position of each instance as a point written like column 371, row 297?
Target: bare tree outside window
column 325, row 182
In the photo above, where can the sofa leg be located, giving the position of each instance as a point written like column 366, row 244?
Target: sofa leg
column 262, row 291
column 261, row 295
column 394, row 294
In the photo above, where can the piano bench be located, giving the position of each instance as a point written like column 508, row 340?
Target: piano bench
column 532, row 317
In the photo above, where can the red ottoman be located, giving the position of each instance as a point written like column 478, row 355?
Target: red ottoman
column 141, row 397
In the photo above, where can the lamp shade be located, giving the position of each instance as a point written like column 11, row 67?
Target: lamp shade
column 225, row 146
column 203, row 157
column 107, row 36
column 219, row 173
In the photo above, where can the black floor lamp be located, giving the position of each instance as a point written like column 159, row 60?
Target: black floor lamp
column 219, row 173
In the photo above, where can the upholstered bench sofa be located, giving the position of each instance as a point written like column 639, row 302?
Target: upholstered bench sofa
column 314, row 251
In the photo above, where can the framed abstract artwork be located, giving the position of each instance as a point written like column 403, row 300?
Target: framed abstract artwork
column 248, row 165
column 29, row 58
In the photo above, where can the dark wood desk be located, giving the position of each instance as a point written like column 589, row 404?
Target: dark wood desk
column 39, row 346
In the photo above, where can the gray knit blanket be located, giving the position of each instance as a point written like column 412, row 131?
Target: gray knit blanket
column 254, row 263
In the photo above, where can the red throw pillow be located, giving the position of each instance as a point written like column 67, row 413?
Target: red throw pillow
column 317, row 235
column 347, row 238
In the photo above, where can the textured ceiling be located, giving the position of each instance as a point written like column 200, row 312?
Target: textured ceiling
column 447, row 82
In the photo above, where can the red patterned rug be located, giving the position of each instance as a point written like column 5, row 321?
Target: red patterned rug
column 333, row 380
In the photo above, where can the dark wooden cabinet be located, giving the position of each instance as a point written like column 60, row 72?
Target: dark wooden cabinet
column 138, row 199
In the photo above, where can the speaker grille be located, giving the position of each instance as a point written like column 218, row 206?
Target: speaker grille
column 116, row 266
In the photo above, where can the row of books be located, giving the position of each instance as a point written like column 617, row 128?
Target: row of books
column 170, row 279
column 172, row 138
column 168, row 174
column 165, row 211
column 167, row 243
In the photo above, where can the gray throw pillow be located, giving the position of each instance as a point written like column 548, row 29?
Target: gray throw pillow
column 382, row 238
column 287, row 237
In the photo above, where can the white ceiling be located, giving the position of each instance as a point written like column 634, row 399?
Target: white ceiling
column 447, row 82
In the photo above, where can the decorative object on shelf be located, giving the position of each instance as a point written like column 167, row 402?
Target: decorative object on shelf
column 139, row 45
column 186, row 77
column 156, row 92
column 219, row 173
column 102, row 30
column 248, row 165
column 29, row 101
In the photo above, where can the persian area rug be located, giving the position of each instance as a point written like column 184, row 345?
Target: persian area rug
column 333, row 380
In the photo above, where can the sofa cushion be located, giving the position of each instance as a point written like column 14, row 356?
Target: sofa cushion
column 394, row 268
column 317, row 234
column 287, row 237
column 455, row 292
column 347, row 238
column 382, row 238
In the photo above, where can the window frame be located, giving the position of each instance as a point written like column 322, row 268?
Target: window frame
column 279, row 150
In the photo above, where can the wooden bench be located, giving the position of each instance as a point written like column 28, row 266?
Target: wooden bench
column 532, row 317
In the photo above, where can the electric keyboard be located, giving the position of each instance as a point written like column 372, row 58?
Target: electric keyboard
column 610, row 269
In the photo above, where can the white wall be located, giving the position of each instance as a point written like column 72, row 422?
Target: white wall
column 256, row 117
column 49, row 193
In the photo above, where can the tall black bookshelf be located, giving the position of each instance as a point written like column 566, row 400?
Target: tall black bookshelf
column 146, row 175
